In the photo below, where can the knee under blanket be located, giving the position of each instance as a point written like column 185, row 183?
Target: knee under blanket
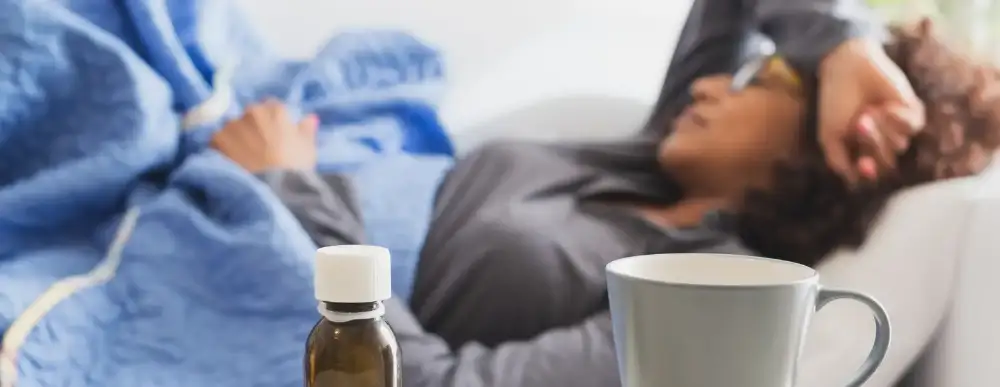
column 132, row 256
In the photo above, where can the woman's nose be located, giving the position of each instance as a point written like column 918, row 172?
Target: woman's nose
column 710, row 87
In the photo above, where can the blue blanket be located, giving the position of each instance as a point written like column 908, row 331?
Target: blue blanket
column 131, row 255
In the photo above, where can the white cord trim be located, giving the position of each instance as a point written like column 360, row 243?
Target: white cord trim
column 22, row 326
column 340, row 317
column 214, row 108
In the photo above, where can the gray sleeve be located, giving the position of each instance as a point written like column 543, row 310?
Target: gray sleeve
column 717, row 33
column 577, row 356
column 582, row 355
column 805, row 31
column 324, row 205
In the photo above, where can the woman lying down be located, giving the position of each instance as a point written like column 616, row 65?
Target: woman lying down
column 786, row 156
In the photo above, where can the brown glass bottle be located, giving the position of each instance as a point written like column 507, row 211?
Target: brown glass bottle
column 355, row 353
column 352, row 345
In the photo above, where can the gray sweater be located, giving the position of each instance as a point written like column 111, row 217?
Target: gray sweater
column 510, row 288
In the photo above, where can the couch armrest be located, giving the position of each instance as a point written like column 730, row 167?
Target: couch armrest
column 909, row 263
column 968, row 346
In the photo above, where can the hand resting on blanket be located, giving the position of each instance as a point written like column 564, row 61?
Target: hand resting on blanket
column 265, row 138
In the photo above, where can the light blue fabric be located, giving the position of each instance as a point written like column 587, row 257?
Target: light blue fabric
column 215, row 283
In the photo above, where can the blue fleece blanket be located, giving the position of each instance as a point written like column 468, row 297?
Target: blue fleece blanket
column 130, row 255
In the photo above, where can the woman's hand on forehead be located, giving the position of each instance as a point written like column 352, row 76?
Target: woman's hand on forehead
column 866, row 104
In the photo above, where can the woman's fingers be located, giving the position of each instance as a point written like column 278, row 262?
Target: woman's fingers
column 273, row 104
column 910, row 118
column 876, row 145
column 279, row 113
column 898, row 125
column 309, row 124
column 884, row 133
column 868, row 167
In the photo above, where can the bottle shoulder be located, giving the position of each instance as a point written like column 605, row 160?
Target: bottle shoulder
column 367, row 332
column 357, row 353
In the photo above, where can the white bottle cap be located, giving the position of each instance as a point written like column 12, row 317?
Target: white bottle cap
column 353, row 274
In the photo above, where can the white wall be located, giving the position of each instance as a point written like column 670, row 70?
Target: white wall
column 504, row 55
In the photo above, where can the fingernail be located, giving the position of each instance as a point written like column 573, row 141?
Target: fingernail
column 866, row 124
column 867, row 167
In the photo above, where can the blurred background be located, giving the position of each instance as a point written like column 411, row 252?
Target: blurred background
column 971, row 23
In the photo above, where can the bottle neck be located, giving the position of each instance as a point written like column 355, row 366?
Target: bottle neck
column 344, row 312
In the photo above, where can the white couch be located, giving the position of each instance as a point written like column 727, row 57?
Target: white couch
column 568, row 70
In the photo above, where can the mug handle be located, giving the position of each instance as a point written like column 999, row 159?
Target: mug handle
column 883, row 332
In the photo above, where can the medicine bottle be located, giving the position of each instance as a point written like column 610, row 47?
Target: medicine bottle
column 352, row 345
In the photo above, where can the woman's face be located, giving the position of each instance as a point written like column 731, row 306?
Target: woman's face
column 738, row 126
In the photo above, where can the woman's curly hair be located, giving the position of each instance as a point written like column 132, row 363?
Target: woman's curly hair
column 812, row 212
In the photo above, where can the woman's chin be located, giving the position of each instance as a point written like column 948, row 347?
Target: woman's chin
column 675, row 151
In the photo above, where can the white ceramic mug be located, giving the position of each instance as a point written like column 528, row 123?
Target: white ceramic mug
column 717, row 320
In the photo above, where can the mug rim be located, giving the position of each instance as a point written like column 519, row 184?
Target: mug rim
column 611, row 270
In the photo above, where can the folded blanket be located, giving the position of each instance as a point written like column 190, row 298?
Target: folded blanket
column 131, row 255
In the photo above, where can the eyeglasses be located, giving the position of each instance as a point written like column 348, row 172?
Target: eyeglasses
column 748, row 71
column 774, row 66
